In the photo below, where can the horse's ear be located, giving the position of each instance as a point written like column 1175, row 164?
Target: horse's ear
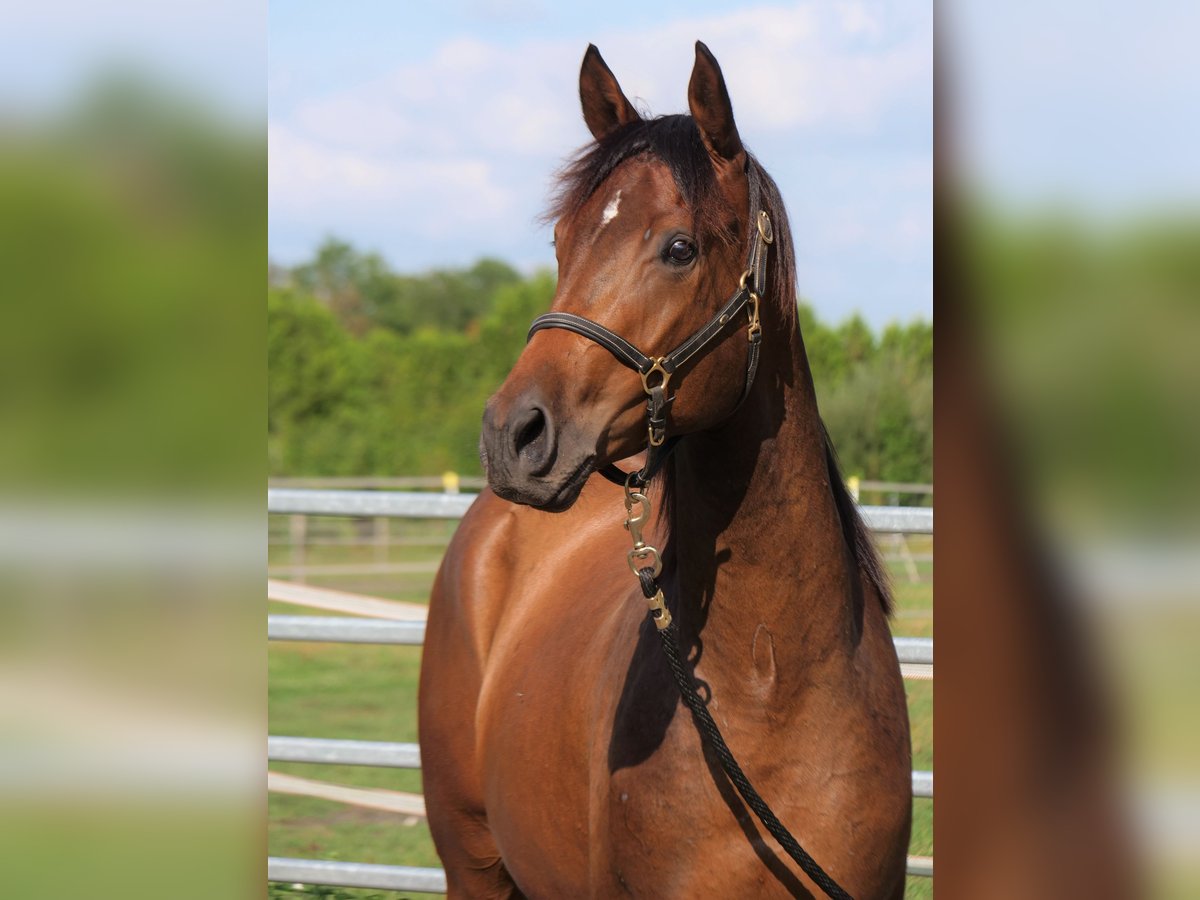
column 605, row 107
column 709, row 103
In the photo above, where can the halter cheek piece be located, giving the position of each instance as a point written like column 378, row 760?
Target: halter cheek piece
column 656, row 371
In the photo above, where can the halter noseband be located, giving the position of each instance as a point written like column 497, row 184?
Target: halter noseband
column 748, row 294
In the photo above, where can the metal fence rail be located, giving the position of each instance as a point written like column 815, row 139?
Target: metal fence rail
column 388, row 754
column 405, row 504
column 883, row 519
column 412, row 878
column 338, row 629
column 352, row 874
column 922, row 783
column 920, row 865
column 914, row 650
column 415, row 505
column 395, row 755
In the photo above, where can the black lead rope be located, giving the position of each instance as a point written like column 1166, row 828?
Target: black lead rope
column 669, row 633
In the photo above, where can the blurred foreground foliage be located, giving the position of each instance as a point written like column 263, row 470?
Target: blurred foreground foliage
column 132, row 229
column 377, row 373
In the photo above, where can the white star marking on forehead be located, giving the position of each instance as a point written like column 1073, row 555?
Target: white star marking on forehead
column 610, row 211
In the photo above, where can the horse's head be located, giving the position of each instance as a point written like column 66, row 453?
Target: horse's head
column 651, row 237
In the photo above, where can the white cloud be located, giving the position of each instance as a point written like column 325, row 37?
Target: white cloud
column 468, row 97
column 318, row 185
column 808, row 65
column 811, row 64
column 857, row 19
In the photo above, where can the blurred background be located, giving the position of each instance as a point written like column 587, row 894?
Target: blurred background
column 132, row 246
column 1068, row 302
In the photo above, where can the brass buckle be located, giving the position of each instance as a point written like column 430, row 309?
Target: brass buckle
column 655, row 441
column 764, row 227
column 657, row 367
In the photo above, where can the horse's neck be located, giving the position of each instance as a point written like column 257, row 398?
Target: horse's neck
column 763, row 568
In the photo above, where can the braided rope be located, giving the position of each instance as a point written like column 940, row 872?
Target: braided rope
column 709, row 729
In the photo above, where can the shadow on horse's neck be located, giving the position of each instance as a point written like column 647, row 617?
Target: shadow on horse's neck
column 757, row 552
column 757, row 569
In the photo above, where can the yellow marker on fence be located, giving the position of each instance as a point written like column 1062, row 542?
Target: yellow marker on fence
column 852, row 484
column 450, row 482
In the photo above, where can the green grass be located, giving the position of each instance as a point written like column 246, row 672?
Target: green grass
column 920, row 714
column 357, row 691
column 369, row 693
column 914, row 618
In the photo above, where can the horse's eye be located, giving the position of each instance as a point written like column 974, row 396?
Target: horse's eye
column 681, row 252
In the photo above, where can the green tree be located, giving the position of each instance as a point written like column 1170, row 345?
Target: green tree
column 392, row 377
column 880, row 411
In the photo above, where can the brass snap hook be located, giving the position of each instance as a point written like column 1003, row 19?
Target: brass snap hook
column 634, row 524
column 755, row 327
column 641, row 552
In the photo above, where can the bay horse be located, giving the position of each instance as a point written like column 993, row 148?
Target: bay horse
column 558, row 759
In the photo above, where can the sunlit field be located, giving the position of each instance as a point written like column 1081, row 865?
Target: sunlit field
column 369, row 692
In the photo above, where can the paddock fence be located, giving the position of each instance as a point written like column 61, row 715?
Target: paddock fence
column 378, row 621
column 310, row 541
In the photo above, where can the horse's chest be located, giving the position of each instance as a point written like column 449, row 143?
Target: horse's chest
column 668, row 824
column 656, row 778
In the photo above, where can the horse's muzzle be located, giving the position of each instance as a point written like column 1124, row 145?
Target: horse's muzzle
column 526, row 457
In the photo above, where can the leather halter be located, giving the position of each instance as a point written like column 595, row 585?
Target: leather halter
column 748, row 295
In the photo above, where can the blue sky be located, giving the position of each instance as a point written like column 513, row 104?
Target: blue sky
column 213, row 49
column 429, row 134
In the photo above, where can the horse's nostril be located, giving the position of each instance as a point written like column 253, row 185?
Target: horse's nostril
column 531, row 436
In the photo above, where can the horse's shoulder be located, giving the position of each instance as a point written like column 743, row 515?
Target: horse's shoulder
column 481, row 546
column 506, row 559
column 495, row 531
column 489, row 532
